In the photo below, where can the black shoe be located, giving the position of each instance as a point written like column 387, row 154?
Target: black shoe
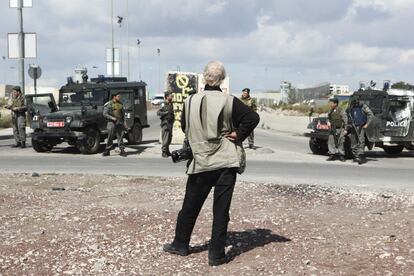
column 331, row 158
column 123, row 153
column 342, row 158
column 251, row 146
column 17, row 145
column 356, row 160
column 361, row 161
column 168, row 247
column 23, row 145
column 105, row 153
column 217, row 261
column 165, row 154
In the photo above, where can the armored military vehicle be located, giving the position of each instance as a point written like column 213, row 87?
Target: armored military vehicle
column 391, row 129
column 78, row 118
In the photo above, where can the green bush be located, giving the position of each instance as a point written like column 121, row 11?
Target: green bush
column 3, row 102
column 305, row 108
column 5, row 121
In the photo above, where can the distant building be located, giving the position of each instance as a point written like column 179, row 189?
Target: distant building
column 337, row 89
column 322, row 90
column 285, row 88
column 270, row 98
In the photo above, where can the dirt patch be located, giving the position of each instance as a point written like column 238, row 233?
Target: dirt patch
column 109, row 225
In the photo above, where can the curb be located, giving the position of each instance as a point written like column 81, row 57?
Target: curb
column 8, row 137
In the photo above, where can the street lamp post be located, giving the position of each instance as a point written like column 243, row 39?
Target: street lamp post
column 139, row 58
column 159, row 70
column 112, row 40
column 127, row 26
column 21, row 45
column 120, row 19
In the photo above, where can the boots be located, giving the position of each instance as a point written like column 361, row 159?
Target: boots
column 17, row 145
column 105, row 153
column 23, row 145
column 123, row 153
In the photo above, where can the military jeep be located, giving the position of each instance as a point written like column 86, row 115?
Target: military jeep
column 391, row 129
column 78, row 118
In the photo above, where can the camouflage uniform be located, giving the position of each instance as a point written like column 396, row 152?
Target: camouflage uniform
column 166, row 114
column 338, row 120
column 114, row 112
column 250, row 102
column 359, row 116
column 18, row 108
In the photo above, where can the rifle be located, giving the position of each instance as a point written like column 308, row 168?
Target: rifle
column 350, row 119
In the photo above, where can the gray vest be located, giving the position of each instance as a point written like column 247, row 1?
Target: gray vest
column 208, row 120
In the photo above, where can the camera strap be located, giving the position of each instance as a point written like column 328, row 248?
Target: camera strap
column 187, row 115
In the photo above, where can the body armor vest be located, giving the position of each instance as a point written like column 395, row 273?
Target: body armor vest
column 359, row 117
column 335, row 117
column 117, row 110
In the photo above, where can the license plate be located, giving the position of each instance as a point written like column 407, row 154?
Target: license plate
column 322, row 126
column 55, row 124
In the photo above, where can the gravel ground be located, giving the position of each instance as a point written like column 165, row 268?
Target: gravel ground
column 115, row 225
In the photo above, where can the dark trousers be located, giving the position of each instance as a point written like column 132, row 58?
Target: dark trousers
column 197, row 189
column 166, row 136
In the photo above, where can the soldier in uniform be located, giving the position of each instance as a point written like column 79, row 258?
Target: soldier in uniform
column 166, row 114
column 360, row 117
column 250, row 102
column 338, row 120
column 114, row 112
column 18, row 107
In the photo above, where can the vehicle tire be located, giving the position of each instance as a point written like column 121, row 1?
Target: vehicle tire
column 91, row 143
column 135, row 134
column 393, row 150
column 318, row 146
column 41, row 146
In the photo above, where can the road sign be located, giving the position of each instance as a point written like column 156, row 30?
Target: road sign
column 26, row 3
column 30, row 47
column 35, row 71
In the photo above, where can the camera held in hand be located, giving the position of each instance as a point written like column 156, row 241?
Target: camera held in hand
column 183, row 154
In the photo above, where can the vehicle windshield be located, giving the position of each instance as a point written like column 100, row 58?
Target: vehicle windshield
column 399, row 111
column 81, row 97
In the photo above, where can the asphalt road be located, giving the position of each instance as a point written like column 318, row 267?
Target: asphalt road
column 282, row 158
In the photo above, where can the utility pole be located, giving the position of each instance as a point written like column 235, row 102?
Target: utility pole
column 139, row 58
column 21, row 45
column 159, row 70
column 127, row 17
column 112, row 39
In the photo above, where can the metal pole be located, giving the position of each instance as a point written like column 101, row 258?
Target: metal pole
column 139, row 58
column 120, row 50
column 159, row 70
column 112, row 42
column 21, row 46
column 127, row 17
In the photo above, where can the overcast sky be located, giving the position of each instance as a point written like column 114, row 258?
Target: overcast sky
column 261, row 42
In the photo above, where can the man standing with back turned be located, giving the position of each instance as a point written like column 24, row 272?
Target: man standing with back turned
column 215, row 124
column 250, row 102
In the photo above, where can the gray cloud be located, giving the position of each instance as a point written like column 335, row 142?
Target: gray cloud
column 305, row 41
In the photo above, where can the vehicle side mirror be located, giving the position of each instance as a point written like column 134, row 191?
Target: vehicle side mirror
column 83, row 110
column 51, row 106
